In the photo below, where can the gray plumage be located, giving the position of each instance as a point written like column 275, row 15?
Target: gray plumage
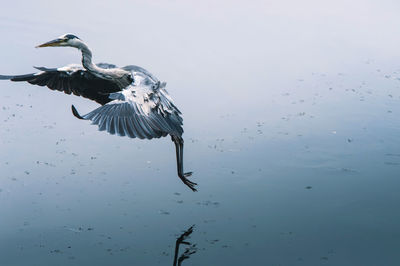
column 134, row 102
column 142, row 110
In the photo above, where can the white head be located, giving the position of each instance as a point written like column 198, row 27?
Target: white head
column 64, row 40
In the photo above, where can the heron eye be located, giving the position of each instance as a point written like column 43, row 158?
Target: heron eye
column 71, row 36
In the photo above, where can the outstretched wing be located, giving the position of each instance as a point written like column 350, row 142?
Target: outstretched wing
column 143, row 78
column 71, row 79
column 142, row 110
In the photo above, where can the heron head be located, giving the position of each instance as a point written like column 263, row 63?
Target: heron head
column 63, row 40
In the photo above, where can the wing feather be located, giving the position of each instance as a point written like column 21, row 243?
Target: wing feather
column 128, row 119
column 72, row 79
column 141, row 110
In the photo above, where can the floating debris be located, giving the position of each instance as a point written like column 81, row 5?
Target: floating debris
column 45, row 163
column 55, row 251
column 207, row 203
column 348, row 170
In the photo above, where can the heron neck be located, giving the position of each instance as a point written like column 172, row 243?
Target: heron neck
column 87, row 61
column 121, row 77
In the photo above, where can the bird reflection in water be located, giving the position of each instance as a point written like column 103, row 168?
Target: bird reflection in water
column 190, row 249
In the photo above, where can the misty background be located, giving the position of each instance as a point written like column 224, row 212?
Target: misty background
column 291, row 129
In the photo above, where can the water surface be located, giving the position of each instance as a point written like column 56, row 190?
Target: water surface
column 291, row 128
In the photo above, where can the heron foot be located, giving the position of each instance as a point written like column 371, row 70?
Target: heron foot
column 187, row 182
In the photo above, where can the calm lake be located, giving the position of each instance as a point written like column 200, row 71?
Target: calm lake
column 291, row 117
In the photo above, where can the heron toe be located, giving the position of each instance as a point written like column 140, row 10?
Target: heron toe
column 191, row 186
column 187, row 182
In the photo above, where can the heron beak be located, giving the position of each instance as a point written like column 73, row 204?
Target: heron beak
column 56, row 42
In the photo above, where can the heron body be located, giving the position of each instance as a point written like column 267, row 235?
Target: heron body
column 134, row 102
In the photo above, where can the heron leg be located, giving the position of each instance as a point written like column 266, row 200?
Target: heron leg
column 181, row 159
column 178, row 156
column 178, row 141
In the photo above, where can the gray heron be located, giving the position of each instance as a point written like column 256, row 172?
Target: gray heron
column 133, row 102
